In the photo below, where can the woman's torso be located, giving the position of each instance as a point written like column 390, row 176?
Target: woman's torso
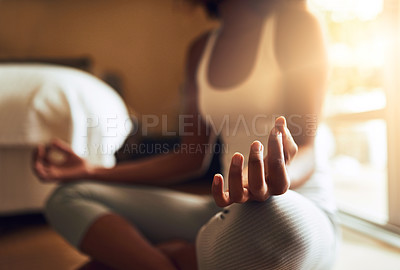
column 244, row 111
column 242, row 108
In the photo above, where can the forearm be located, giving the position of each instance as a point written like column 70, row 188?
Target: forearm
column 160, row 170
column 302, row 166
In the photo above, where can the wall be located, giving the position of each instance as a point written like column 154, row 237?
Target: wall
column 144, row 41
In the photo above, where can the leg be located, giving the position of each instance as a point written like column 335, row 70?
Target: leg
column 115, row 242
column 284, row 232
column 93, row 265
column 182, row 253
column 97, row 219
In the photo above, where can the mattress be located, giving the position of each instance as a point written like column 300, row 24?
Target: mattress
column 20, row 190
column 42, row 102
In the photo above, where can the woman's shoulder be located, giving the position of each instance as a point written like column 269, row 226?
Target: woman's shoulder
column 299, row 36
column 293, row 15
column 292, row 5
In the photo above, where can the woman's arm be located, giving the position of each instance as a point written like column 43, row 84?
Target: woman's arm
column 167, row 169
column 182, row 163
column 301, row 54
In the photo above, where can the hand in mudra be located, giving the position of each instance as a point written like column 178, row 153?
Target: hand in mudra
column 57, row 162
column 265, row 177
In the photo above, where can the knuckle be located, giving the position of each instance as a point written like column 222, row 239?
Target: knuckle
column 258, row 194
column 260, row 198
column 257, row 187
column 277, row 187
column 279, row 190
column 220, row 203
column 236, row 197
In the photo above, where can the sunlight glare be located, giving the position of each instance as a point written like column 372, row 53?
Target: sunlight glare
column 343, row 10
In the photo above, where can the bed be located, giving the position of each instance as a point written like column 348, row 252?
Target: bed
column 39, row 102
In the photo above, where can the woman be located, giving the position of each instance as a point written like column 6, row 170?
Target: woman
column 266, row 59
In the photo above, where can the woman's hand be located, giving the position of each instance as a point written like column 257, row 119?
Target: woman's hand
column 57, row 162
column 265, row 177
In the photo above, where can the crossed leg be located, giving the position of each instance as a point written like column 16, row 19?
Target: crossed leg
column 284, row 232
column 125, row 227
column 120, row 226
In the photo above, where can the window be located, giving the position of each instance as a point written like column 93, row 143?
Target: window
column 361, row 110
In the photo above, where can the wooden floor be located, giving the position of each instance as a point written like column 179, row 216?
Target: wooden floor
column 29, row 243
column 37, row 247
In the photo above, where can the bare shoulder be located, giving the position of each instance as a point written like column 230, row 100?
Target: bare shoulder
column 299, row 38
column 296, row 23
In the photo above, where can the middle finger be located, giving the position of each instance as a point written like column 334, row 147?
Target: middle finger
column 256, row 175
column 236, row 193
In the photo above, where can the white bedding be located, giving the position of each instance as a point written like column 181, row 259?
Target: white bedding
column 41, row 102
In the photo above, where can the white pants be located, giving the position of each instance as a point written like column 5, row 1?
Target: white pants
column 285, row 232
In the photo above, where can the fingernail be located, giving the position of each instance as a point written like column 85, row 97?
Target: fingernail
column 277, row 132
column 256, row 146
column 217, row 179
column 237, row 160
column 284, row 121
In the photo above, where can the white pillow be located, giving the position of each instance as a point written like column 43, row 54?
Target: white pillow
column 41, row 102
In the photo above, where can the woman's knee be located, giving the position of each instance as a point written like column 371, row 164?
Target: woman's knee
column 282, row 233
column 64, row 195
column 72, row 208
